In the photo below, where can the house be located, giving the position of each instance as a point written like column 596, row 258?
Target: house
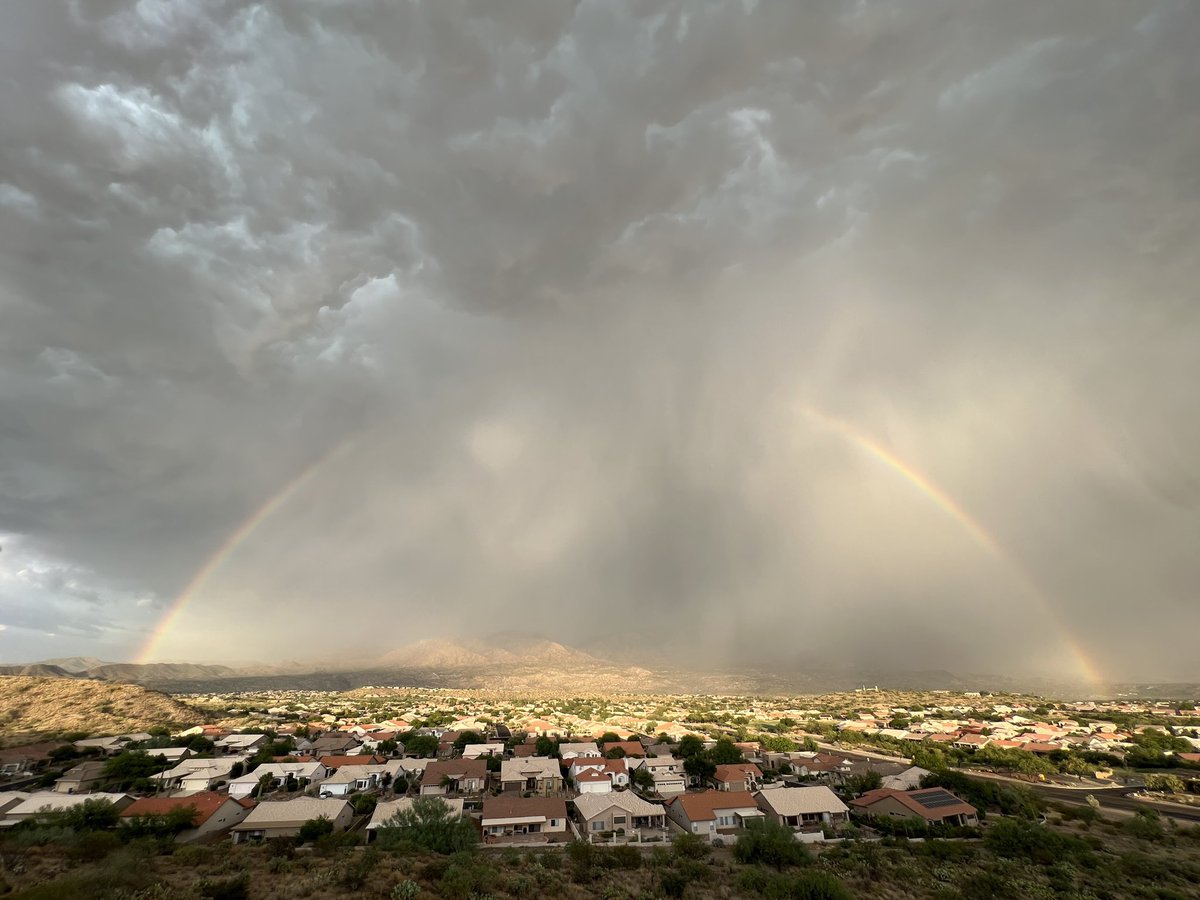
column 510, row 818
column 241, row 743
column 335, row 744
column 658, row 764
column 284, row 819
column 81, row 778
column 627, row 748
column 11, row 799
column 798, row 808
column 41, row 803
column 935, row 806
column 536, row 774
column 737, row 777
column 582, row 748
column 600, row 776
column 972, row 741
column 617, row 813
column 112, row 745
column 669, row 782
column 333, row 762
column 193, row 775
column 908, row 780
column 302, row 773
column 16, row 761
column 349, row 779
column 475, row 751
column 388, row 808
column 453, row 776
column 713, row 813
column 171, row 754
column 215, row 813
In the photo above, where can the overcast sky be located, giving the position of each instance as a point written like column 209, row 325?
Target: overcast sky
column 552, row 311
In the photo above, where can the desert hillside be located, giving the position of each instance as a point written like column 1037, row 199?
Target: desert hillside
column 32, row 706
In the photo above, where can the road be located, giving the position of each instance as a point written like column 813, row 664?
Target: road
column 1113, row 799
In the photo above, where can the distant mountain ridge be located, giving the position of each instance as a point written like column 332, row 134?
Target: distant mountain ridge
column 478, row 653
column 516, row 661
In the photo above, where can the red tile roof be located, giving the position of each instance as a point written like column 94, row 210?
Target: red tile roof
column 362, row 759
column 631, row 748
column 703, row 807
column 205, row 804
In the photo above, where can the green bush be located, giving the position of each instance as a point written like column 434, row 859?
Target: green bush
column 315, row 829
column 809, row 885
column 235, row 888
column 770, row 844
column 690, row 846
column 429, row 824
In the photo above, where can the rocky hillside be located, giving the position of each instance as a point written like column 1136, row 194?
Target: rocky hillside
column 31, row 707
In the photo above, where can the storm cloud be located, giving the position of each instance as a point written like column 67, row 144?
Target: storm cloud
column 581, row 319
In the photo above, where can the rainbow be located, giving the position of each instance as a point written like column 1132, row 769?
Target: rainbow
column 228, row 547
column 980, row 535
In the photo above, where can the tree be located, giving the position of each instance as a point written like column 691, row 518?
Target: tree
column 200, row 745
column 388, row 747
column 809, row 744
column 642, row 778
column 770, row 844
column 420, row 745
column 431, row 825
column 614, row 753
column 264, row 784
column 165, row 826
column 609, row 737
column 315, row 829
column 1171, row 784
column 545, row 746
column 699, row 767
column 725, row 753
column 691, row 745
column 237, row 770
column 90, row 815
column 867, row 781
column 776, row 743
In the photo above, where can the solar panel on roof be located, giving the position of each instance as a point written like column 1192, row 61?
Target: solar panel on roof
column 937, row 799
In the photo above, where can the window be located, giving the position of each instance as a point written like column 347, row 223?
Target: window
column 597, row 825
column 618, row 820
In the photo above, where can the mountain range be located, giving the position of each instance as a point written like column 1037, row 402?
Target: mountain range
column 518, row 662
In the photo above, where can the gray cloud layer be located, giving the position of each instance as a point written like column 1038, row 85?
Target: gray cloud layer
column 560, row 282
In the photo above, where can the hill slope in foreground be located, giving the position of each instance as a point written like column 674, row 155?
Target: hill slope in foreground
column 31, row 707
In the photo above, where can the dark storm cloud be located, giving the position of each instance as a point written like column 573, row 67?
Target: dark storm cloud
column 560, row 279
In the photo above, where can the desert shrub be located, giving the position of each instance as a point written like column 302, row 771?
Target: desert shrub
column 464, row 878
column 429, row 824
column 690, row 846
column 406, row 890
column 808, row 885
column 770, row 844
column 235, row 888
column 585, row 859
column 1021, row 839
column 1146, row 825
column 315, row 829
column 753, row 880
column 352, row 871
column 673, row 883
column 92, row 845
column 625, row 857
